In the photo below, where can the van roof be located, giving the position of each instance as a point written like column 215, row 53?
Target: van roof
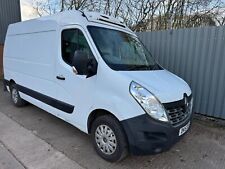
column 49, row 23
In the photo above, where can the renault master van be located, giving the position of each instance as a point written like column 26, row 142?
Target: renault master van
column 91, row 71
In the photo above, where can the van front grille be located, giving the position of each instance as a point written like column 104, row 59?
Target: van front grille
column 179, row 111
column 177, row 115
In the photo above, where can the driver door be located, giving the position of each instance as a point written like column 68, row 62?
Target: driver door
column 74, row 89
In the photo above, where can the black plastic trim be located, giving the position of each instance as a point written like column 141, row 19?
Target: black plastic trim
column 148, row 136
column 65, row 107
column 176, row 103
column 47, row 100
column 60, row 78
column 5, row 84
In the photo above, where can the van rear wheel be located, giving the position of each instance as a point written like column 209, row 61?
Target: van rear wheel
column 15, row 96
column 109, row 139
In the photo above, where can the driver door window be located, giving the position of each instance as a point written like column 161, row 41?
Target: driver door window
column 73, row 40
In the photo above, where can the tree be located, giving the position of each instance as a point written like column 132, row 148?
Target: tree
column 142, row 15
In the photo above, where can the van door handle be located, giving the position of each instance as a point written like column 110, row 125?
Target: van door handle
column 60, row 77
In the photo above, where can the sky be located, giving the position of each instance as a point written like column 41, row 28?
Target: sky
column 27, row 10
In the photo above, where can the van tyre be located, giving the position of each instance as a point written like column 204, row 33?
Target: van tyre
column 109, row 139
column 15, row 96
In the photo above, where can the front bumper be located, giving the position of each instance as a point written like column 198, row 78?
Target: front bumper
column 5, row 84
column 148, row 136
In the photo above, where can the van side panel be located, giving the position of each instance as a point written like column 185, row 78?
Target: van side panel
column 29, row 60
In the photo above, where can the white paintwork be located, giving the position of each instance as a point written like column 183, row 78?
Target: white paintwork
column 32, row 58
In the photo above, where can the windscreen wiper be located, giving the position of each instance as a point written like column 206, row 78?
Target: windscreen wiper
column 139, row 67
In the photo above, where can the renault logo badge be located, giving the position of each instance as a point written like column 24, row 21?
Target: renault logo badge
column 185, row 100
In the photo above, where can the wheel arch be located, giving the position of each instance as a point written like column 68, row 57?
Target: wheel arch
column 97, row 113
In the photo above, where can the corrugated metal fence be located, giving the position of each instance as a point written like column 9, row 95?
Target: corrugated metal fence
column 9, row 13
column 198, row 56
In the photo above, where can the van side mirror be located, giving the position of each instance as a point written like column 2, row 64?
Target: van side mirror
column 83, row 64
column 92, row 67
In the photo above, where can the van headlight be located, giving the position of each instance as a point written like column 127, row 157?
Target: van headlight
column 148, row 102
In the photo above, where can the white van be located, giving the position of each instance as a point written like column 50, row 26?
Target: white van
column 92, row 71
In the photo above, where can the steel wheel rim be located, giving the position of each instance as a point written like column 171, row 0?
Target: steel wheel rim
column 105, row 139
column 15, row 95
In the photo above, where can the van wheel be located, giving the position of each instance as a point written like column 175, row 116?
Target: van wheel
column 109, row 139
column 15, row 96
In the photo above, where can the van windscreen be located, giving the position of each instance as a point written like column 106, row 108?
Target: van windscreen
column 122, row 51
